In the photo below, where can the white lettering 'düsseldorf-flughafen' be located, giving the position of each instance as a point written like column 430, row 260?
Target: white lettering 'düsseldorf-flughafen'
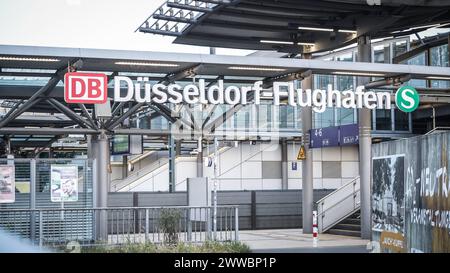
column 143, row 91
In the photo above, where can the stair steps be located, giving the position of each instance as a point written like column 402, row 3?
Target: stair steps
column 350, row 226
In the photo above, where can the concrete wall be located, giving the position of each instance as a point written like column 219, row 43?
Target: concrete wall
column 346, row 160
column 245, row 167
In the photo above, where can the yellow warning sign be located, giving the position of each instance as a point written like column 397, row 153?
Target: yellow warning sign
column 301, row 153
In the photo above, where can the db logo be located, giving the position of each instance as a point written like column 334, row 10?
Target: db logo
column 85, row 88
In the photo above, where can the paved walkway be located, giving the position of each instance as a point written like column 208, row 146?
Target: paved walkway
column 293, row 240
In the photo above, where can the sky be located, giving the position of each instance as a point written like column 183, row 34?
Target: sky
column 106, row 24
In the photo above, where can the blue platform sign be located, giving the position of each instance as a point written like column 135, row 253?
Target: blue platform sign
column 324, row 137
column 349, row 134
column 294, row 166
column 334, row 136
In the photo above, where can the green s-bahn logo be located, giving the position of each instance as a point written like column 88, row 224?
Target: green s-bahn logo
column 407, row 99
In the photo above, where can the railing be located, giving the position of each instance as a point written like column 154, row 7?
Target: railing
column 438, row 129
column 121, row 225
column 117, row 185
column 338, row 205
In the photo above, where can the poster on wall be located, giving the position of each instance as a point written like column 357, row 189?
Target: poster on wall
column 7, row 184
column 64, row 183
column 388, row 203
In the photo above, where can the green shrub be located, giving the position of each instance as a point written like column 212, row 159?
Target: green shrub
column 169, row 224
column 207, row 247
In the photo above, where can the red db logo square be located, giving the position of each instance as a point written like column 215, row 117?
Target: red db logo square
column 85, row 88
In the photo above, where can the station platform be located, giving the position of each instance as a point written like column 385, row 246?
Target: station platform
column 294, row 241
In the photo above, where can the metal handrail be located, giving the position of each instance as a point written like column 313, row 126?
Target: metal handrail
column 337, row 190
column 339, row 202
column 165, row 165
column 337, row 221
column 146, row 169
column 346, row 210
column 114, row 208
column 118, row 225
column 122, row 183
column 443, row 128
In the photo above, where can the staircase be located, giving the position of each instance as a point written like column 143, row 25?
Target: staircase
column 120, row 184
column 350, row 226
column 338, row 212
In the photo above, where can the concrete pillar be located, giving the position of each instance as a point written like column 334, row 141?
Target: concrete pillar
column 284, row 165
column 307, row 164
column 365, row 142
column 200, row 158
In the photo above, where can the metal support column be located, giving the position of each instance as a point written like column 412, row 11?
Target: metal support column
column 200, row 157
column 33, row 199
column 100, row 150
column 172, row 182
column 7, row 141
column 178, row 147
column 216, row 155
column 284, row 165
column 365, row 141
column 124, row 166
column 307, row 164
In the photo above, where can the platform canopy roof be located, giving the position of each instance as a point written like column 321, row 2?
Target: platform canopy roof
column 291, row 26
column 31, row 88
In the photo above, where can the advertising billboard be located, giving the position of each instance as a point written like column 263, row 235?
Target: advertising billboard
column 7, row 184
column 64, row 183
column 388, row 204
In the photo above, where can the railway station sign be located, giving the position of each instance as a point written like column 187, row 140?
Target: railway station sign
column 89, row 88
column 333, row 136
column 93, row 87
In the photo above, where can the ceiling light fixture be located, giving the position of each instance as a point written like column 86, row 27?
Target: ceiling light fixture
column 25, row 59
column 147, row 64
column 347, row 31
column 438, row 78
column 256, row 68
column 327, row 29
column 276, row 42
column 316, row 29
column 358, row 74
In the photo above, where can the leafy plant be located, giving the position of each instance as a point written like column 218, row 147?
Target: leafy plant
column 207, row 247
column 169, row 223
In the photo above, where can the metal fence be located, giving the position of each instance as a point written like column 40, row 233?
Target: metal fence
column 57, row 227
column 33, row 183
